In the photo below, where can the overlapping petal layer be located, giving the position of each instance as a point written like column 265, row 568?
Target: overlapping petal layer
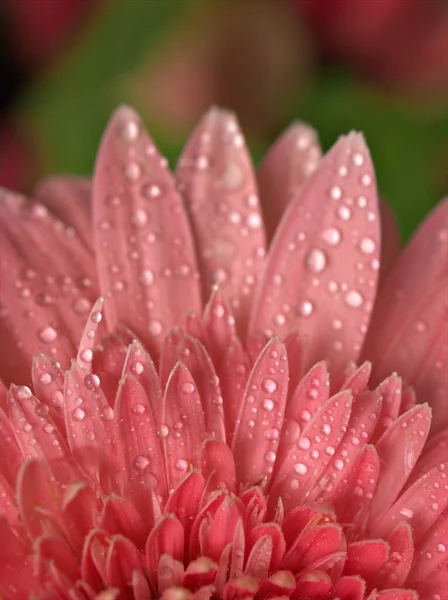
column 232, row 451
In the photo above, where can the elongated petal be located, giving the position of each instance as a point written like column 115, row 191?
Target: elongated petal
column 329, row 234
column 143, row 244
column 184, row 424
column 413, row 341
column 217, row 181
column 286, row 166
column 70, row 200
column 260, row 420
column 48, row 286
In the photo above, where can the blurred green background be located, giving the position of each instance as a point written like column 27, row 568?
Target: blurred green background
column 373, row 65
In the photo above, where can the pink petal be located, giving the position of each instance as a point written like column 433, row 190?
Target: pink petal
column 140, row 587
column 141, row 447
column 48, row 384
column 233, row 379
column 170, row 573
column 357, row 381
column 312, row 277
column 434, row 453
column 288, row 164
column 349, row 588
column 37, row 498
column 306, row 460
column 89, row 337
column 311, row 393
column 260, row 557
column 218, row 184
column 390, row 391
column 188, row 350
column 365, row 558
column 315, row 544
column 420, row 505
column 48, row 284
column 397, row 594
column 185, row 500
column 260, row 420
column 395, row 571
column 120, row 517
column 69, row 200
column 139, row 365
column 10, row 454
column 16, row 569
column 199, row 573
column 218, row 464
column 183, row 425
column 219, row 325
column 280, row 583
column 363, row 419
column 431, row 551
column 312, row 585
column 34, row 428
column 144, row 249
column 122, row 560
column 278, row 548
column 167, row 537
column 412, row 341
column 295, row 351
column 398, row 451
column 93, row 563
column 55, row 550
column 353, row 503
column 91, row 431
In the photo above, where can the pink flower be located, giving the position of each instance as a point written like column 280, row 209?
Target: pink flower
column 235, row 451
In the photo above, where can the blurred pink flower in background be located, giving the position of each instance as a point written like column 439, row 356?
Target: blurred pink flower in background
column 213, row 436
column 402, row 43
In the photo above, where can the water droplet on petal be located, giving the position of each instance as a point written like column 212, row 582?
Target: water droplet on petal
column 130, row 130
column 141, row 462
column 305, row 308
column 354, row 298
column 301, row 469
column 86, row 355
column 316, row 260
column 332, row 236
column 367, row 245
column 151, row 191
column 78, row 414
column 139, row 409
column 188, row 388
column 92, row 382
column 48, row 334
column 146, row 277
column 269, row 385
column 45, row 378
column 155, row 327
column 132, row 171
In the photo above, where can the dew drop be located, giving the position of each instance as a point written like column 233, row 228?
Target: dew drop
column 269, row 385
column 270, row 457
column 336, row 192
column 92, row 382
column 151, row 191
column 23, row 392
column 78, row 414
column 139, row 409
column 332, row 236
column 300, row 469
column 354, row 299
column 130, row 130
column 48, row 334
column 304, row 443
column 155, row 327
column 305, row 308
column 45, row 378
column 86, row 355
column 316, row 260
column 96, row 317
column 139, row 218
column 141, row 462
column 344, row 213
column 163, row 431
column 146, row 277
column 268, row 405
column 367, row 245
column 132, row 171
column 188, row 388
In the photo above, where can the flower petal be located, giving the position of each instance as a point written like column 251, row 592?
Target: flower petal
column 292, row 158
column 321, row 270
column 70, row 200
column 233, row 379
column 218, row 184
column 413, row 341
column 260, row 419
column 398, row 451
column 143, row 243
column 48, row 286
column 219, row 325
column 183, row 425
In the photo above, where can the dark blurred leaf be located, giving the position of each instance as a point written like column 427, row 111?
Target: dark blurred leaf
column 70, row 107
column 407, row 144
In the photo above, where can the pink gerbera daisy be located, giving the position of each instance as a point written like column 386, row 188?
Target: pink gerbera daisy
column 286, row 441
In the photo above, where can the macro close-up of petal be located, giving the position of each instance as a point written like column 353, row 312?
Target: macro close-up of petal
column 221, row 382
